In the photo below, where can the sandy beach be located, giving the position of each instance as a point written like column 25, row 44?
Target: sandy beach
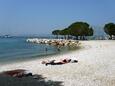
column 95, row 67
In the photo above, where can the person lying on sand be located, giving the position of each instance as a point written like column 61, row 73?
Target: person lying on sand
column 63, row 61
column 52, row 62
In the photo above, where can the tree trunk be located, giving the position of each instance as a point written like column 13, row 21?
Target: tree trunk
column 80, row 37
column 110, row 37
column 56, row 36
column 113, row 37
column 76, row 37
column 83, row 37
column 67, row 36
column 64, row 36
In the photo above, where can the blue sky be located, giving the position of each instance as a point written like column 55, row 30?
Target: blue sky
column 42, row 16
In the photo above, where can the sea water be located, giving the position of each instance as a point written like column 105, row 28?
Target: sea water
column 17, row 49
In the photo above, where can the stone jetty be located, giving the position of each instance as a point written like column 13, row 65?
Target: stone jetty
column 54, row 42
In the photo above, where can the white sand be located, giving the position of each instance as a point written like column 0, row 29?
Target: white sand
column 96, row 66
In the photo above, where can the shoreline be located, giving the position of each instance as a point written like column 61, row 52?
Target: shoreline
column 41, row 58
column 95, row 65
column 38, row 58
column 63, row 50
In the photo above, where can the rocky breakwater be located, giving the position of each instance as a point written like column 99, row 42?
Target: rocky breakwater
column 55, row 42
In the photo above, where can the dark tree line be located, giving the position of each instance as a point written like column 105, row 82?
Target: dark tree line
column 79, row 30
column 56, row 32
column 110, row 30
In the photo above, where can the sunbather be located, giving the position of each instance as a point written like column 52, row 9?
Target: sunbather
column 54, row 62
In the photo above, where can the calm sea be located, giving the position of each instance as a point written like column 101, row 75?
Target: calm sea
column 17, row 49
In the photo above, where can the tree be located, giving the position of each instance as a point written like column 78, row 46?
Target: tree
column 65, row 32
column 110, row 29
column 89, row 32
column 56, row 32
column 80, row 29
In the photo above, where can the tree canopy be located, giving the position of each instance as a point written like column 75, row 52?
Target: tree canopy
column 110, row 29
column 81, row 29
column 77, row 29
column 56, row 32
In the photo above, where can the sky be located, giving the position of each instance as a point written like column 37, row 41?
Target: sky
column 24, row 17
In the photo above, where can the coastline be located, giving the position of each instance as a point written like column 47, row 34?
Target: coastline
column 42, row 57
column 11, row 51
column 95, row 65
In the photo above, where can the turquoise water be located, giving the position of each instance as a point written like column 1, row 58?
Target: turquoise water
column 16, row 49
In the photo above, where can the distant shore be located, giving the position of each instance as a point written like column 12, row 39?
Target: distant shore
column 95, row 65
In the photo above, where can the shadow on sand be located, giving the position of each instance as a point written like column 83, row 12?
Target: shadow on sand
column 35, row 80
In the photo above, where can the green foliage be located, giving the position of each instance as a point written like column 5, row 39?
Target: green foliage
column 110, row 29
column 56, row 32
column 90, row 32
column 64, row 31
column 80, row 29
column 76, row 29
